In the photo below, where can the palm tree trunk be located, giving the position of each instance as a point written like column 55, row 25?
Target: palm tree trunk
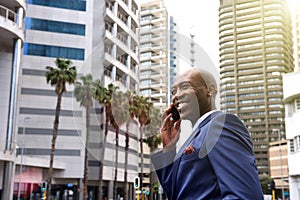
column 85, row 174
column 116, row 164
column 54, row 136
column 126, row 161
column 142, row 156
column 152, row 175
column 101, row 162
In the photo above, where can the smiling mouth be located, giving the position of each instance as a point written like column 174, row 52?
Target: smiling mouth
column 179, row 105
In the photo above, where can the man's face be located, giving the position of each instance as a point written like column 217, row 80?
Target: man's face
column 189, row 96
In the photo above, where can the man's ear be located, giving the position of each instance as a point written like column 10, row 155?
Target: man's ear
column 212, row 89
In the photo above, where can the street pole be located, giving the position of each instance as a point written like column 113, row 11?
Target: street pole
column 281, row 170
column 160, row 191
column 21, row 162
column 273, row 194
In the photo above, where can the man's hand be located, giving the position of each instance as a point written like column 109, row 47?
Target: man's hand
column 169, row 130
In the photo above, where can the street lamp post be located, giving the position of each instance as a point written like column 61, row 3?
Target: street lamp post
column 21, row 162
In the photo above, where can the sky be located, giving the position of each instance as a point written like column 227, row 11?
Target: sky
column 201, row 18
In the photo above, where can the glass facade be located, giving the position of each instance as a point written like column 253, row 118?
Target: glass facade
column 67, row 4
column 54, row 26
column 53, row 51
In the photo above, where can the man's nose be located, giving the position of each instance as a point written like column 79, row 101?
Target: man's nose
column 176, row 96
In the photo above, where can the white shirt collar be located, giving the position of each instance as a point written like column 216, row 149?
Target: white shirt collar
column 203, row 117
column 187, row 129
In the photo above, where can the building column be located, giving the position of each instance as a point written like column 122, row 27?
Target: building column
column 110, row 190
column 8, row 165
column 80, row 187
column 128, row 82
column 20, row 17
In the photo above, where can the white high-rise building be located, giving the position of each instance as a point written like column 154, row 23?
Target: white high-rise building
column 11, row 42
column 99, row 37
column 291, row 96
column 154, row 56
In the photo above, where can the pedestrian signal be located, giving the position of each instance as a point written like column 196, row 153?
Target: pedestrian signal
column 44, row 186
column 136, row 182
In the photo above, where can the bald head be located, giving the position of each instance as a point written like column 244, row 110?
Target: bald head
column 202, row 77
column 200, row 84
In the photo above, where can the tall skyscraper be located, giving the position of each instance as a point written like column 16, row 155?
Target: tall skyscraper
column 255, row 50
column 11, row 41
column 174, row 63
column 295, row 10
column 154, row 71
column 291, row 93
column 99, row 37
column 154, row 55
column 192, row 43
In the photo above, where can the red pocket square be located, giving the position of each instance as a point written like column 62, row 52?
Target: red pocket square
column 189, row 150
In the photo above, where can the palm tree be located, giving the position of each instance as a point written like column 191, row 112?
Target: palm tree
column 128, row 98
column 143, row 114
column 60, row 75
column 104, row 97
column 84, row 93
column 120, row 111
column 153, row 139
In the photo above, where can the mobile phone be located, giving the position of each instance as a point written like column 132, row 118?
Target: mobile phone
column 175, row 113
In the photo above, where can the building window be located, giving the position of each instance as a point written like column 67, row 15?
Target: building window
column 55, row 26
column 146, row 54
column 298, row 143
column 145, row 82
column 146, row 92
column 298, row 104
column 67, row 4
column 146, row 36
column 145, row 73
column 148, row 26
column 146, row 17
column 146, row 63
column 292, row 148
column 53, row 51
column 145, row 45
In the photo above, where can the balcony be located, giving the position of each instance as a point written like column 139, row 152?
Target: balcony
column 9, row 28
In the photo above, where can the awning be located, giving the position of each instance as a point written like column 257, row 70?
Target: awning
column 30, row 175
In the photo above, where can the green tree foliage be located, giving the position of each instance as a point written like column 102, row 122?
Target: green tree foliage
column 264, row 181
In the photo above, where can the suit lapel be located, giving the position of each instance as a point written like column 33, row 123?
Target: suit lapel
column 178, row 156
column 195, row 133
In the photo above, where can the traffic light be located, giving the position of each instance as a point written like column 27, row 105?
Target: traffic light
column 137, row 182
column 271, row 185
column 44, row 186
column 146, row 192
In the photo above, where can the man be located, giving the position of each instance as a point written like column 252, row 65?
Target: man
column 216, row 161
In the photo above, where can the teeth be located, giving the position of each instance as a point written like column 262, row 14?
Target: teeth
column 179, row 105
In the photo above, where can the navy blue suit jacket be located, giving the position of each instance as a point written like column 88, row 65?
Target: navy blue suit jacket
column 222, row 166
